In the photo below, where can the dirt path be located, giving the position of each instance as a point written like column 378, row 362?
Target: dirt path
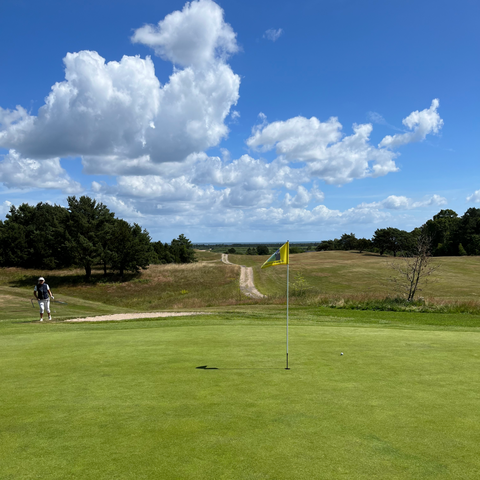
column 247, row 286
column 131, row 316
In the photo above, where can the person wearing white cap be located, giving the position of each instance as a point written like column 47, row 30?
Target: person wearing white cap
column 42, row 294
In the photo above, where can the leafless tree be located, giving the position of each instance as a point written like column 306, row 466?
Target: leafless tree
column 414, row 270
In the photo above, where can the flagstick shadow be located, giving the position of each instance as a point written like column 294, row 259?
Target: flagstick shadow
column 204, row 367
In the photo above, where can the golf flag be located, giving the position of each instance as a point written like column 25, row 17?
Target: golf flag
column 280, row 257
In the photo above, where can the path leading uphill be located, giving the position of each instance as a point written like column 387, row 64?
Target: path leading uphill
column 247, row 286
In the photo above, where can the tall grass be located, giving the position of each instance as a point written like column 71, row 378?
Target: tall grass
column 188, row 286
column 329, row 279
column 386, row 303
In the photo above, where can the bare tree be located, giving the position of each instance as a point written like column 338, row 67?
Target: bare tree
column 415, row 269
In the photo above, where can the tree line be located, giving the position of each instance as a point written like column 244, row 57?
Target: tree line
column 263, row 250
column 449, row 235
column 84, row 234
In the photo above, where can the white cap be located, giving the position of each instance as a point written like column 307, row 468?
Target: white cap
column 41, row 279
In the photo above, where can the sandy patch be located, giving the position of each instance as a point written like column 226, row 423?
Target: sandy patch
column 131, row 316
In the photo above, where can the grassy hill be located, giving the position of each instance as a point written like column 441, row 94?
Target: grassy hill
column 125, row 399
column 352, row 274
column 328, row 275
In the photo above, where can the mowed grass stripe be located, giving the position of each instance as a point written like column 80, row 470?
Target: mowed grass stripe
column 129, row 403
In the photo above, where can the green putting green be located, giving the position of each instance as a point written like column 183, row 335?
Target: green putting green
column 126, row 401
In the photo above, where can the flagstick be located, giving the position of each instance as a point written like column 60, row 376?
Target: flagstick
column 288, row 271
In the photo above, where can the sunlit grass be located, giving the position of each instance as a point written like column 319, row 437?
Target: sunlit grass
column 332, row 278
column 351, row 273
column 125, row 400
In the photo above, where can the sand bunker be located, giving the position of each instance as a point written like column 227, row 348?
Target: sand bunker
column 131, row 316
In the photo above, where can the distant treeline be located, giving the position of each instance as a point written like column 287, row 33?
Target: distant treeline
column 252, row 249
column 450, row 235
column 85, row 234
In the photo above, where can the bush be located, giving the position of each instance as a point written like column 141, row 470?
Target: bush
column 299, row 287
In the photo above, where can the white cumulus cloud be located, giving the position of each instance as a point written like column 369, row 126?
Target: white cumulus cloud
column 153, row 136
column 334, row 157
column 320, row 145
column 474, row 197
column 197, row 35
column 26, row 173
column 106, row 110
column 400, row 202
column 421, row 123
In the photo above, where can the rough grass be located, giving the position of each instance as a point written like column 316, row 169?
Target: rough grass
column 350, row 275
column 338, row 279
column 171, row 286
column 16, row 305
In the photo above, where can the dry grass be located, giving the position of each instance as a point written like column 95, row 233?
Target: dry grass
column 196, row 285
column 331, row 277
column 350, row 274
column 8, row 300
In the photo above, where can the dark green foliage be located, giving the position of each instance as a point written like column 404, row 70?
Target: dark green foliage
column 85, row 234
column 469, row 235
column 15, row 249
column 262, row 250
column 443, row 230
column 181, row 250
column 364, row 244
column 231, row 250
column 34, row 237
column 130, row 246
column 391, row 239
column 348, row 241
column 242, row 248
column 446, row 230
column 87, row 222
column 251, row 251
column 162, row 251
column 325, row 245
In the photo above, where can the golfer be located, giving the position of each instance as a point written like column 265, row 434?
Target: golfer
column 42, row 294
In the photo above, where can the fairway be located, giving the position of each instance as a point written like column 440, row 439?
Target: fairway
column 127, row 401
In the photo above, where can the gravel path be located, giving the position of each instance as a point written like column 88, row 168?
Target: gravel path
column 247, row 286
column 131, row 316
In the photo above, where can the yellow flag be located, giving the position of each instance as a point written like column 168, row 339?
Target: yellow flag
column 280, row 257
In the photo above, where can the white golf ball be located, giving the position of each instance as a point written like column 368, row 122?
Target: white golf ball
column 341, row 353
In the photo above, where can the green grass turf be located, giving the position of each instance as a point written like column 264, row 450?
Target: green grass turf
column 124, row 400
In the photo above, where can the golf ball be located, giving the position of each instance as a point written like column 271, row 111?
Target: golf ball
column 341, row 353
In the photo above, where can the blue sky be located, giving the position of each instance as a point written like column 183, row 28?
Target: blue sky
column 243, row 120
